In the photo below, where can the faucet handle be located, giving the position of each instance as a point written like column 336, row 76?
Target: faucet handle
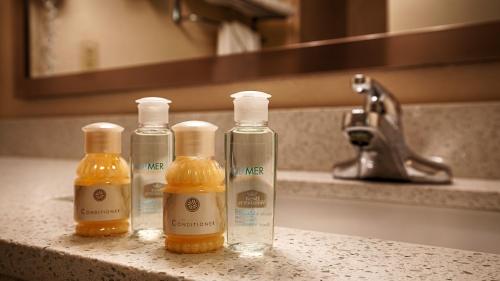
column 378, row 99
column 360, row 83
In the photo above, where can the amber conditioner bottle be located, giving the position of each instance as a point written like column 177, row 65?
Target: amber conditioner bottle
column 194, row 204
column 102, row 186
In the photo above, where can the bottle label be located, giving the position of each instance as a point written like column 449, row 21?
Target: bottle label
column 148, row 184
column 251, row 199
column 193, row 213
column 251, row 208
column 101, row 202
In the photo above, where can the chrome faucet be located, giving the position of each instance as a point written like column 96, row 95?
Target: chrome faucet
column 377, row 133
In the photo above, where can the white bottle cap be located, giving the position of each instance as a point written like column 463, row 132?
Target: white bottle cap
column 153, row 110
column 250, row 106
column 103, row 138
column 194, row 138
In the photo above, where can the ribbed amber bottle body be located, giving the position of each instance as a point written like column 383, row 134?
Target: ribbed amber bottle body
column 102, row 195
column 194, row 205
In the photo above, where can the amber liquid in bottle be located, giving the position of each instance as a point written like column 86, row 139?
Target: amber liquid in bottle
column 102, row 186
column 194, row 198
column 103, row 170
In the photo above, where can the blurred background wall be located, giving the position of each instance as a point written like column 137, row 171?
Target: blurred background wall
column 451, row 83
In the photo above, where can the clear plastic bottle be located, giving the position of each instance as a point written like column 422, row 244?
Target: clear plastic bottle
column 250, row 175
column 194, row 205
column 151, row 152
column 102, row 186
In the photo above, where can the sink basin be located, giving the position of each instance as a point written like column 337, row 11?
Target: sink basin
column 473, row 230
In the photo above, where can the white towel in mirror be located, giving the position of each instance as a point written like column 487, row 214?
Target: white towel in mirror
column 234, row 38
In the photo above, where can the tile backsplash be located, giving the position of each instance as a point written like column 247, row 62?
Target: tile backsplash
column 465, row 135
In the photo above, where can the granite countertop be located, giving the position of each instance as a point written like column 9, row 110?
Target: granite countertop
column 36, row 243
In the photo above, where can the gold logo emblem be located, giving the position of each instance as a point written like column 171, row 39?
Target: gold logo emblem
column 99, row 194
column 251, row 199
column 153, row 190
column 192, row 204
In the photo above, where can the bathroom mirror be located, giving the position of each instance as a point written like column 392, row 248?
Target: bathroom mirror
column 92, row 46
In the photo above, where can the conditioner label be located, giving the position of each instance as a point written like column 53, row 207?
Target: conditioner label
column 193, row 213
column 101, row 203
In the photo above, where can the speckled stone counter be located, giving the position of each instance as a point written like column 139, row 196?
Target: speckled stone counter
column 36, row 243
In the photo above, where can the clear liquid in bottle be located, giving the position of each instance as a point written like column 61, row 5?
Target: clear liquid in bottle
column 250, row 176
column 250, row 188
column 151, row 153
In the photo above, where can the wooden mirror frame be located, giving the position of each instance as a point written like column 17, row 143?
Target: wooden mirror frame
column 463, row 43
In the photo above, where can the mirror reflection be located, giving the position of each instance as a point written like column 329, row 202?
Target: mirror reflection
column 73, row 36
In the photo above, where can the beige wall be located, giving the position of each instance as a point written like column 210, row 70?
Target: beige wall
column 412, row 14
column 96, row 34
column 436, row 84
column 122, row 33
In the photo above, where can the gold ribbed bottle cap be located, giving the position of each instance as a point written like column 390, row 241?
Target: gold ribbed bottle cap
column 195, row 138
column 103, row 137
